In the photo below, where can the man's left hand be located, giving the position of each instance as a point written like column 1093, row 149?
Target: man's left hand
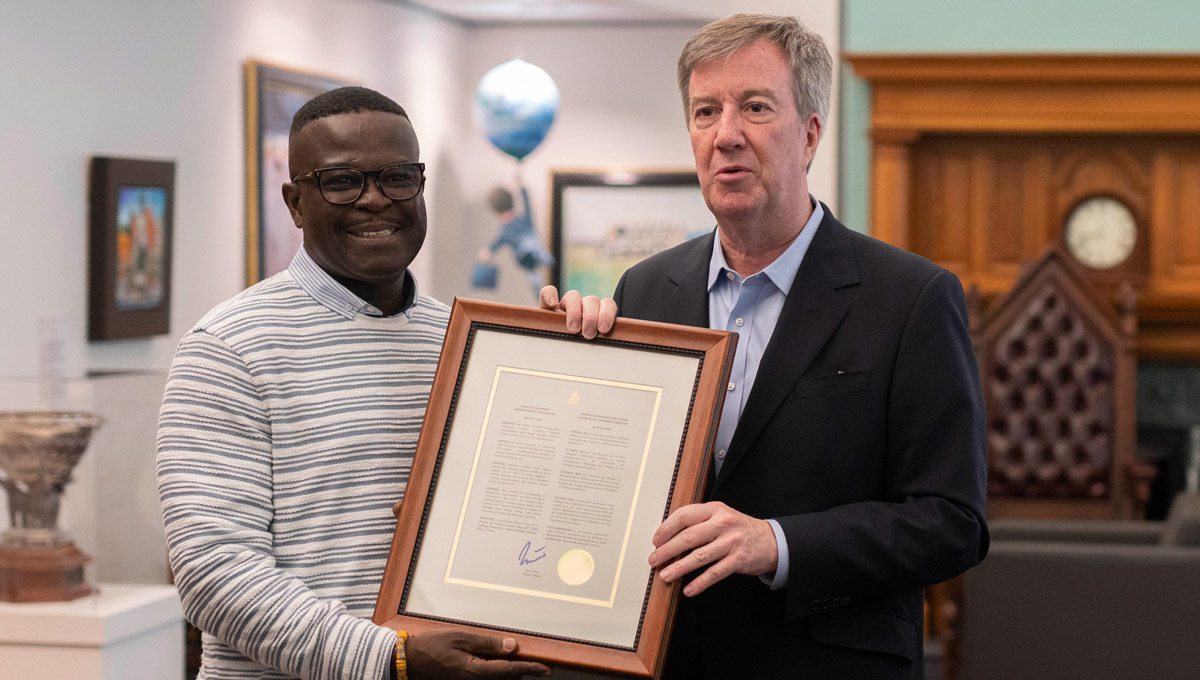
column 717, row 535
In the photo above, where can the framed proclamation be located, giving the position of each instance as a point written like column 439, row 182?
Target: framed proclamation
column 545, row 464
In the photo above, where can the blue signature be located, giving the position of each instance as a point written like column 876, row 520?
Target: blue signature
column 526, row 558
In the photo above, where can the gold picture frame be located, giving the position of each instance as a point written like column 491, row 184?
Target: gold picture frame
column 273, row 95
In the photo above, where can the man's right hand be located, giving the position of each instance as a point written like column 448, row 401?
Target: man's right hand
column 585, row 315
column 459, row 655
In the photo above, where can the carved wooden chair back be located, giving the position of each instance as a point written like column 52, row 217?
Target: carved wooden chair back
column 1058, row 365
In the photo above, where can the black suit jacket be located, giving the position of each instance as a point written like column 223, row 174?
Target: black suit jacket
column 863, row 435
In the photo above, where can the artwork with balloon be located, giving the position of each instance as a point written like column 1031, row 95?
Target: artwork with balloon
column 515, row 105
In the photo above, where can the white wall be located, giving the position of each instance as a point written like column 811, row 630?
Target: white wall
column 619, row 107
column 164, row 80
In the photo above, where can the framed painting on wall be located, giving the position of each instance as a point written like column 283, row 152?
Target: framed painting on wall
column 273, row 95
column 129, row 264
column 605, row 222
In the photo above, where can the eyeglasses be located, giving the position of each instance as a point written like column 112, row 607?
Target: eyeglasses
column 340, row 186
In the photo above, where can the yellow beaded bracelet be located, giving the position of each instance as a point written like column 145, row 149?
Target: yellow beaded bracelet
column 401, row 660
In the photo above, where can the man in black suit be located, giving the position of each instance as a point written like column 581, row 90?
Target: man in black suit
column 850, row 462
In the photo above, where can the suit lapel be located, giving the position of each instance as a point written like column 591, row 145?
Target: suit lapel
column 688, row 305
column 811, row 312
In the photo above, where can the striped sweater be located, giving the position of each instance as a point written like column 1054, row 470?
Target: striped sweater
column 287, row 432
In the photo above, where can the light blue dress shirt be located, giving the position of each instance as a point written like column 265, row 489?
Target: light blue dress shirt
column 750, row 307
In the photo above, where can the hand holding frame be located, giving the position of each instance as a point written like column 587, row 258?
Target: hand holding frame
column 717, row 535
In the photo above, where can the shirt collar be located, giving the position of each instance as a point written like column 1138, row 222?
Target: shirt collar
column 323, row 288
column 781, row 272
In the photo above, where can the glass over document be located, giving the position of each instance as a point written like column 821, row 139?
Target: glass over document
column 546, row 463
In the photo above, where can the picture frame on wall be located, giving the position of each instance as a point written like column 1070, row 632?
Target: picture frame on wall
column 603, row 222
column 132, row 203
column 273, row 95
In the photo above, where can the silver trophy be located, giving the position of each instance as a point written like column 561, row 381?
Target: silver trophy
column 38, row 450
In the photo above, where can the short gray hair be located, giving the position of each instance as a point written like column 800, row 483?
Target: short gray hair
column 811, row 63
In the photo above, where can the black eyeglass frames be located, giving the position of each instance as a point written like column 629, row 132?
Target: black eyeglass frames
column 340, row 186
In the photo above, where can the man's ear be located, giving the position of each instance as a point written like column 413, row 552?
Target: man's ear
column 291, row 196
column 812, row 136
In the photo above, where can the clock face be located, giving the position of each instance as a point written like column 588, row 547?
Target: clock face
column 1101, row 232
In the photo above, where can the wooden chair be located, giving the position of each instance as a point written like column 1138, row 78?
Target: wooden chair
column 1058, row 370
column 1059, row 377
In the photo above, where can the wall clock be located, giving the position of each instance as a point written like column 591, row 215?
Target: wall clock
column 1100, row 232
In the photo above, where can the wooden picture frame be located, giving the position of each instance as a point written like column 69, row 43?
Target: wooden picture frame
column 273, row 95
column 603, row 222
column 132, row 203
column 431, row 581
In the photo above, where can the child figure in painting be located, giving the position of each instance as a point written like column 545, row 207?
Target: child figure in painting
column 517, row 233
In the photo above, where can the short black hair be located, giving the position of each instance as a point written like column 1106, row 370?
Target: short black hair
column 351, row 99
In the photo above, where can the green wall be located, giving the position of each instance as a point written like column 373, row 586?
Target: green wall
column 993, row 26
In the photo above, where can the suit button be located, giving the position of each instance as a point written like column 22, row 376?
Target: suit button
column 846, row 600
column 816, row 605
column 690, row 617
column 825, row 603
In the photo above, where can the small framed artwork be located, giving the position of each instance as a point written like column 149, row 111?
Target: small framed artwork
column 132, row 202
column 273, row 95
column 602, row 223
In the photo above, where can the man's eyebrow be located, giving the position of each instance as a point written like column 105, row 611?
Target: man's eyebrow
column 761, row 93
column 743, row 96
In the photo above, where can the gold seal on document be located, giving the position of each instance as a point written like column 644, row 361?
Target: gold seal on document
column 576, row 566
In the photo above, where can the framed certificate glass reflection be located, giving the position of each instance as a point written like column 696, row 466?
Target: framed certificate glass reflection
column 545, row 464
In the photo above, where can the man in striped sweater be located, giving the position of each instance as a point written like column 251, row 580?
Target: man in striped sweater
column 291, row 417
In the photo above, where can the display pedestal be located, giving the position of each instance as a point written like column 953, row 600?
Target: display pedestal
column 121, row 632
column 42, row 574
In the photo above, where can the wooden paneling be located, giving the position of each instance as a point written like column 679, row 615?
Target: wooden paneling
column 982, row 206
column 1005, row 228
column 1185, row 255
column 945, row 217
column 1033, row 93
column 978, row 160
column 891, row 174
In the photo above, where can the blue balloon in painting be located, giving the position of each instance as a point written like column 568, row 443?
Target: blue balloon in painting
column 516, row 102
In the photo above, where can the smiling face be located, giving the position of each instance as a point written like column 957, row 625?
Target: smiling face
column 365, row 245
column 750, row 144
